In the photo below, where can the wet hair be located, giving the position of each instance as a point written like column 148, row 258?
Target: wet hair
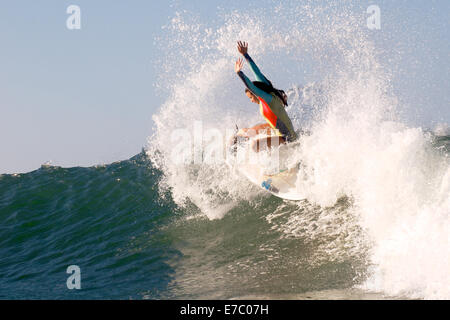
column 269, row 89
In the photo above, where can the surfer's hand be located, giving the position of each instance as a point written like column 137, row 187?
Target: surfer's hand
column 238, row 65
column 242, row 47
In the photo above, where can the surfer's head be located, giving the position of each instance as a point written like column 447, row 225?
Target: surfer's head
column 251, row 96
column 268, row 88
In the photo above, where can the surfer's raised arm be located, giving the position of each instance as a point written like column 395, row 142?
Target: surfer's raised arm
column 250, row 86
column 243, row 49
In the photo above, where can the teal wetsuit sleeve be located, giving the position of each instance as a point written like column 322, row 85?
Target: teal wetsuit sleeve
column 258, row 74
column 260, row 93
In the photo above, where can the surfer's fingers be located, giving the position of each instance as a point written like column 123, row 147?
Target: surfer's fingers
column 238, row 65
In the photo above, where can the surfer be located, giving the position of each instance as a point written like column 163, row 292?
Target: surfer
column 272, row 103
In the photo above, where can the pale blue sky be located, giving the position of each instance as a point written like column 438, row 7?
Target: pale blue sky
column 85, row 97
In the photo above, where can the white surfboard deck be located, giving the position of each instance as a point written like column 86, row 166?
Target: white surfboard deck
column 279, row 182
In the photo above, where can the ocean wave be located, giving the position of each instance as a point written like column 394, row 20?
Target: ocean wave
column 356, row 146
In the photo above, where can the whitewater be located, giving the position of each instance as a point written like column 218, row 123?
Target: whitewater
column 377, row 188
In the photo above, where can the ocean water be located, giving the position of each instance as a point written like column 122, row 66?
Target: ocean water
column 374, row 223
column 131, row 242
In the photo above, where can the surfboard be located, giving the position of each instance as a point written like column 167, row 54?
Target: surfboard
column 269, row 171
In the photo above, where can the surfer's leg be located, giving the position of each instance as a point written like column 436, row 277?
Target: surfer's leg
column 255, row 130
column 263, row 128
column 269, row 142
